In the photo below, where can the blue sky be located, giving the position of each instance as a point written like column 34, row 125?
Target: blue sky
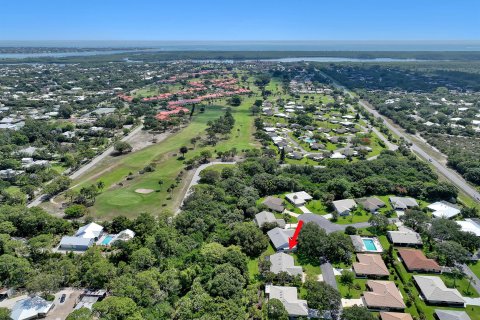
column 240, row 20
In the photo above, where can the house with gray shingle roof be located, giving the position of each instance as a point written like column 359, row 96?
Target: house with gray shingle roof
column 274, row 203
column 434, row 291
column 282, row 262
column 289, row 298
column 372, row 204
column 403, row 203
column 279, row 238
column 264, row 217
column 343, row 207
column 451, row 315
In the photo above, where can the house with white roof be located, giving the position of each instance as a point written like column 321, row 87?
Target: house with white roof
column 470, row 225
column 298, row 199
column 443, row 209
column 289, row 298
column 83, row 239
column 90, row 231
column 31, row 308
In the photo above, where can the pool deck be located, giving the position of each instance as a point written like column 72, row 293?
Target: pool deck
column 359, row 244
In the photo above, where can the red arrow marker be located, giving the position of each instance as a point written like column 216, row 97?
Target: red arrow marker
column 292, row 242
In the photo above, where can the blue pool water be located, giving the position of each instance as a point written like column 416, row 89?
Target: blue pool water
column 107, row 240
column 309, row 140
column 369, row 244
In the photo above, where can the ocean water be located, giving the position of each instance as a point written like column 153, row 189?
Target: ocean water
column 126, row 46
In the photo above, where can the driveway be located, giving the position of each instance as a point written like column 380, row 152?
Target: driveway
column 328, row 275
column 61, row 310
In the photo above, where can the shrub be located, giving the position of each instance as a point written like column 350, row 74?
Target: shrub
column 75, row 211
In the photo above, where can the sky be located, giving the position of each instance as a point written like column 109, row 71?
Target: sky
column 240, row 20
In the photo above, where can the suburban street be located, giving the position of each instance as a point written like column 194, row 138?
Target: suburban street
column 449, row 174
column 39, row 199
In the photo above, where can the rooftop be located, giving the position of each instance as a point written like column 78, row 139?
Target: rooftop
column 395, row 316
column 416, row 260
column 434, row 290
column 289, row 298
column 370, row 264
column 383, row 294
column 282, row 262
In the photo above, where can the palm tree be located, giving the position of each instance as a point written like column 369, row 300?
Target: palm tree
column 470, row 280
column 456, row 274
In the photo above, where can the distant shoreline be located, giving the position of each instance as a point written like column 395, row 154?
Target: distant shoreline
column 154, row 55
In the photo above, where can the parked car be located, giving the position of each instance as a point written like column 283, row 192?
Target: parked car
column 62, row 298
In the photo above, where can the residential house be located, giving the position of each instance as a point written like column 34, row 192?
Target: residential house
column 289, row 298
column 451, row 315
column 31, row 308
column 434, row 291
column 282, row 262
column 383, row 295
column 371, row 204
column 264, row 217
column 89, row 297
column 84, row 238
column 395, row 316
column 470, row 225
column 75, row 243
column 403, row 203
column 343, row 207
column 279, row 238
column 370, row 265
column 404, row 237
column 415, row 260
column 91, row 230
column 444, row 209
column 273, row 203
column 298, row 199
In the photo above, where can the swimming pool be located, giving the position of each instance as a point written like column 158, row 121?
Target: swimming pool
column 369, row 245
column 309, row 140
column 107, row 240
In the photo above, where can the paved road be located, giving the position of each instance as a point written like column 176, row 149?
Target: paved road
column 39, row 199
column 469, row 272
column 451, row 175
column 328, row 275
column 102, row 156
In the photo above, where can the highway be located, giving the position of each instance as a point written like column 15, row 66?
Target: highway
column 448, row 173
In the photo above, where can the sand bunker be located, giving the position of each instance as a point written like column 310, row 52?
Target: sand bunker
column 144, row 191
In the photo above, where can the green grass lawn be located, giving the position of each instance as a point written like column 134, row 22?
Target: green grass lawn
column 317, row 207
column 462, row 285
column 475, row 267
column 123, row 200
column 312, row 271
column 355, row 292
column 356, row 218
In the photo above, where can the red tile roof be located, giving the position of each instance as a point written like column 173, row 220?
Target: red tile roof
column 415, row 260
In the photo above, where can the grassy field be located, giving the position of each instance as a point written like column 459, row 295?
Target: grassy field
column 312, row 271
column 123, row 200
column 355, row 292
